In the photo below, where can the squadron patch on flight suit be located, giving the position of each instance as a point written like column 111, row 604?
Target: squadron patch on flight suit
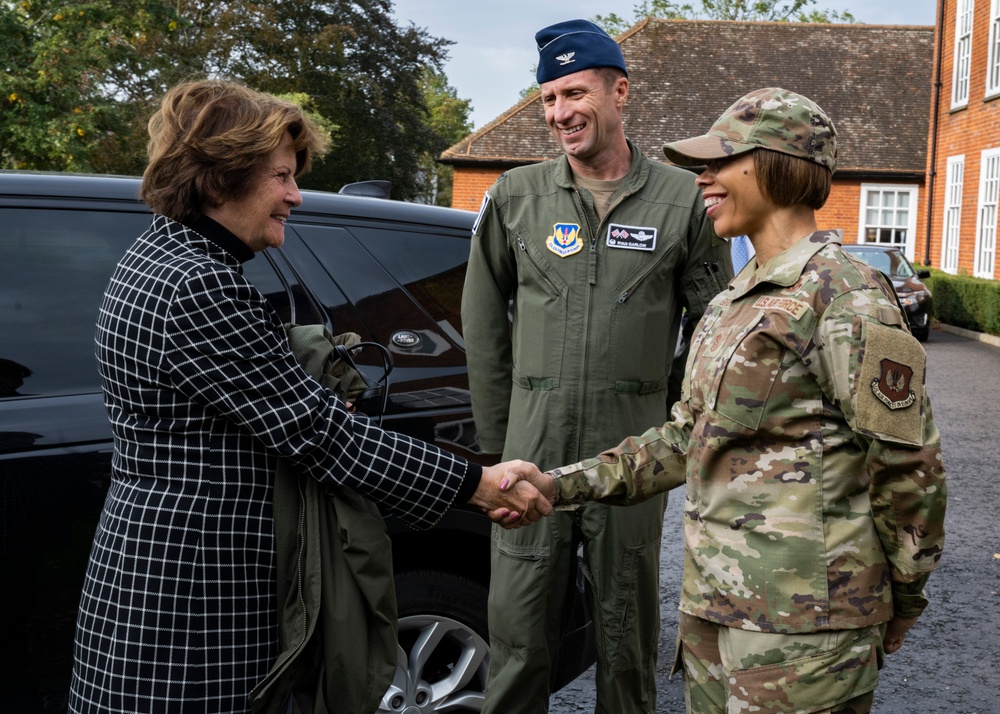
column 631, row 237
column 890, row 388
column 565, row 239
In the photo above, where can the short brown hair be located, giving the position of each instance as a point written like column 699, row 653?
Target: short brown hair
column 789, row 180
column 209, row 141
column 610, row 76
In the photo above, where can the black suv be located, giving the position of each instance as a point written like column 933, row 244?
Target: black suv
column 389, row 271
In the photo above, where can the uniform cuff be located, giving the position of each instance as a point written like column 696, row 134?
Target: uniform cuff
column 908, row 599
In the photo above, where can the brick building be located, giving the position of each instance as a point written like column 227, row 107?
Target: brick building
column 963, row 163
column 874, row 81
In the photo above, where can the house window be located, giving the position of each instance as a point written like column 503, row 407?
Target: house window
column 952, row 214
column 963, row 54
column 986, row 222
column 889, row 215
column 993, row 65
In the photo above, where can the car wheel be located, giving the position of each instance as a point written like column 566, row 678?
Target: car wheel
column 922, row 335
column 443, row 656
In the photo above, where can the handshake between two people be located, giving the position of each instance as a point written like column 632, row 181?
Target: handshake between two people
column 515, row 493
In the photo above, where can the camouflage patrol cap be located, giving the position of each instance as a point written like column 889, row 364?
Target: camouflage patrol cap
column 770, row 118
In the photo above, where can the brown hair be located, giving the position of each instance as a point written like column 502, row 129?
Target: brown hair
column 787, row 180
column 610, row 76
column 210, row 140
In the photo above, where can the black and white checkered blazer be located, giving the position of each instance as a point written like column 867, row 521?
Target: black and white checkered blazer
column 178, row 611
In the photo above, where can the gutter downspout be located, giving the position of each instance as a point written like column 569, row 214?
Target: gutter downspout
column 934, row 133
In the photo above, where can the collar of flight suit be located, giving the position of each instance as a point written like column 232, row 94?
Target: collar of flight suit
column 633, row 181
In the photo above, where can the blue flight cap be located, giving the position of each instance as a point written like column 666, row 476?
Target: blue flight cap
column 573, row 46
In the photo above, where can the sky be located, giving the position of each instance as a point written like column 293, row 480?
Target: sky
column 494, row 53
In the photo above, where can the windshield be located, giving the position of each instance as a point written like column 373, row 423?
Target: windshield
column 893, row 263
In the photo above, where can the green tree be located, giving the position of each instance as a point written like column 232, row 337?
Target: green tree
column 363, row 73
column 742, row 10
column 59, row 102
column 78, row 80
column 449, row 120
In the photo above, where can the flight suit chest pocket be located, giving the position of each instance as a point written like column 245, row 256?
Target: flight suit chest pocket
column 540, row 317
column 738, row 365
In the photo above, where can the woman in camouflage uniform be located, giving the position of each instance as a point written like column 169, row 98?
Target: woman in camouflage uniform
column 815, row 490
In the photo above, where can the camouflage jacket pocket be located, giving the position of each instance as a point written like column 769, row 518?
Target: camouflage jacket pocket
column 746, row 371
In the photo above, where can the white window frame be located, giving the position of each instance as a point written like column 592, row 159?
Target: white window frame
column 951, row 231
column 963, row 54
column 986, row 214
column 912, row 190
column 993, row 63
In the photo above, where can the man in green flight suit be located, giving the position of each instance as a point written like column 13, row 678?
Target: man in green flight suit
column 595, row 255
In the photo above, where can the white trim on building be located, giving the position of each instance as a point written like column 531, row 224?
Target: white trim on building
column 952, row 225
column 963, row 55
column 986, row 214
column 888, row 215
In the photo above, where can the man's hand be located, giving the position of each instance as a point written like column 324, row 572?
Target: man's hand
column 895, row 632
column 508, row 493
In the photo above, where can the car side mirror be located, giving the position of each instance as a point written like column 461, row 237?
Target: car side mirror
column 923, row 274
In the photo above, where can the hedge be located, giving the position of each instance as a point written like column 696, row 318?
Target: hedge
column 962, row 301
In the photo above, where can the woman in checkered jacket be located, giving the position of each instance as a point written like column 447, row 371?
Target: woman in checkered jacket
column 178, row 611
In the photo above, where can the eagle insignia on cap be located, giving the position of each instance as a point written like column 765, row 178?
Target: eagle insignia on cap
column 566, row 58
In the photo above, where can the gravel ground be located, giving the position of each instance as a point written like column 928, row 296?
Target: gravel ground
column 950, row 661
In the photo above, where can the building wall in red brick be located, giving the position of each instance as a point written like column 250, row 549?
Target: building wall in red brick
column 841, row 209
column 470, row 185
column 964, row 131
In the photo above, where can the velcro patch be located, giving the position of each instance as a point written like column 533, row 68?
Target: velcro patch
column 889, row 391
column 631, row 237
column 791, row 306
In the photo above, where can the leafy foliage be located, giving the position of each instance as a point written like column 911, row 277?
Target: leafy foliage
column 79, row 80
column 965, row 301
column 63, row 73
column 741, row 10
column 449, row 120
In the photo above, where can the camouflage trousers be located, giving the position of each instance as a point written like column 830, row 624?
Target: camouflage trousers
column 733, row 671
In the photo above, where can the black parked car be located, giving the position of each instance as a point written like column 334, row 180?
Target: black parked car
column 913, row 295
column 390, row 271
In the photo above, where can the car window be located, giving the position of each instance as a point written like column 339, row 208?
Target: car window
column 893, row 263
column 55, row 266
column 291, row 301
column 899, row 266
column 430, row 266
column 419, row 333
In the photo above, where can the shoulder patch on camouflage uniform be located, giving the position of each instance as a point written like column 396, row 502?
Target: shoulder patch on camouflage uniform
column 890, row 388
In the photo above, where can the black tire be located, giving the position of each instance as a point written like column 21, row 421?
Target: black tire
column 443, row 656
